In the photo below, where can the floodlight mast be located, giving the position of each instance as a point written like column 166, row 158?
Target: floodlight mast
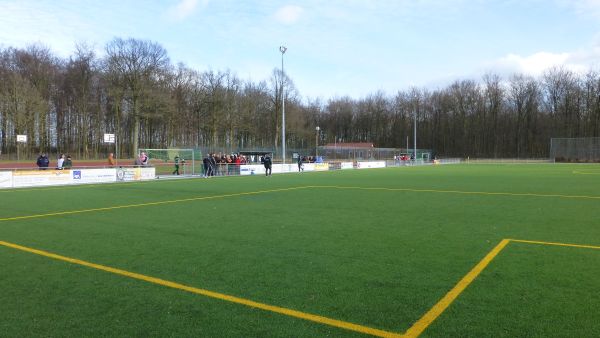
column 415, row 135
column 282, row 49
column 317, row 129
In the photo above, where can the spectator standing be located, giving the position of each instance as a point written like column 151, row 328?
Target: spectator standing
column 206, row 164
column 111, row 160
column 144, row 158
column 268, row 164
column 300, row 164
column 59, row 163
column 213, row 164
column 68, row 163
column 176, row 159
column 43, row 162
column 139, row 161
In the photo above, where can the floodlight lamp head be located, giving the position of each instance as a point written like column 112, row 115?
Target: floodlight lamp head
column 282, row 49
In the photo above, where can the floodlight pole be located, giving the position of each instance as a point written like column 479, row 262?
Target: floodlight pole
column 415, row 134
column 317, row 142
column 282, row 49
column 116, row 151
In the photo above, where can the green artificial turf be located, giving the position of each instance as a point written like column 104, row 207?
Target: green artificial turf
column 376, row 248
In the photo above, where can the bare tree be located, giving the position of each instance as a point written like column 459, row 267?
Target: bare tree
column 134, row 65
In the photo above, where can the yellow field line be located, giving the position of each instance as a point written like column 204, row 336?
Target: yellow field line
column 586, row 172
column 441, row 306
column 414, row 331
column 70, row 212
column 459, row 192
column 212, row 294
column 557, row 244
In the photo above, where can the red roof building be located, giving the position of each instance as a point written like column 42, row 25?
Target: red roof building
column 350, row 145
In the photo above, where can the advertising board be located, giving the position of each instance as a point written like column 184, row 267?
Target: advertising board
column 81, row 176
column 370, row 165
column 6, row 179
column 135, row 174
column 30, row 178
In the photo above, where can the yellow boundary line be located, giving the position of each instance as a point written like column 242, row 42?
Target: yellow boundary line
column 443, row 304
column 414, row 331
column 587, row 172
column 460, row 192
column 69, row 212
column 211, row 294
column 556, row 244
column 431, row 315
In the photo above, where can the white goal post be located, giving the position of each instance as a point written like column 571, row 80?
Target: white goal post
column 164, row 160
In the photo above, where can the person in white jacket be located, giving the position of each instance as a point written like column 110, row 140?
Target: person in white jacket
column 61, row 160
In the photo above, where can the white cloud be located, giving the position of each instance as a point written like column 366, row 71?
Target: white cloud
column 289, row 14
column 534, row 64
column 583, row 7
column 185, row 8
column 579, row 61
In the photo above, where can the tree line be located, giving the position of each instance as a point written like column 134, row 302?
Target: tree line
column 135, row 92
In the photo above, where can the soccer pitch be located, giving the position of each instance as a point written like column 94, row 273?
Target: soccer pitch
column 436, row 251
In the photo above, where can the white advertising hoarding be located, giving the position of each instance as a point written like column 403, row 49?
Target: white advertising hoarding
column 347, row 165
column 321, row 166
column 94, row 175
column 284, row 168
column 369, row 165
column 6, row 179
column 30, row 178
column 252, row 169
column 135, row 174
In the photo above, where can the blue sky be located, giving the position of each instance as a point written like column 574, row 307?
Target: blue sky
column 335, row 48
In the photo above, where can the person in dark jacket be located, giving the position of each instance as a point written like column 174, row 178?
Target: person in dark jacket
column 213, row 164
column 268, row 163
column 206, row 164
column 68, row 163
column 300, row 164
column 43, row 162
column 176, row 166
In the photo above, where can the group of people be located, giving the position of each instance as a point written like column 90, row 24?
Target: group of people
column 141, row 160
column 307, row 159
column 63, row 162
column 404, row 157
column 222, row 164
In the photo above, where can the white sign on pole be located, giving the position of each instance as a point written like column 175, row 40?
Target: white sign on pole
column 109, row 138
column 22, row 138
